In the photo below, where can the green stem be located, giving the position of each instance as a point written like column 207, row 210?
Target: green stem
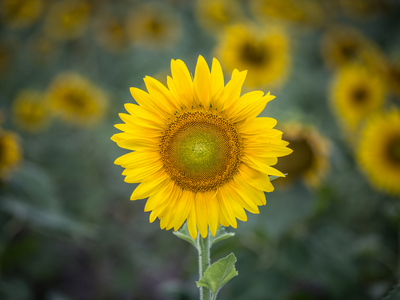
column 203, row 244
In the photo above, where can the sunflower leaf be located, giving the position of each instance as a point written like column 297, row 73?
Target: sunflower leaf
column 220, row 235
column 271, row 178
column 394, row 293
column 218, row 274
column 184, row 234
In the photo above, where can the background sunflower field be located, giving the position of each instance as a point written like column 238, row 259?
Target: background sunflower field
column 330, row 230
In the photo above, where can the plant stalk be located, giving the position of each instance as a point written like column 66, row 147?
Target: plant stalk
column 204, row 262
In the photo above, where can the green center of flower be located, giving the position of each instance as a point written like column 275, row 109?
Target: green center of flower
column 200, row 150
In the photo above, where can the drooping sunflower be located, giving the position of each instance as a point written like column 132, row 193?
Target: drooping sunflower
column 10, row 153
column 20, row 13
column 214, row 15
column 379, row 151
column 153, row 26
column 310, row 159
column 67, row 19
column 356, row 92
column 264, row 53
column 76, row 100
column 198, row 149
column 31, row 110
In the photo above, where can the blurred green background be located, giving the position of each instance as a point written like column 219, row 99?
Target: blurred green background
column 68, row 229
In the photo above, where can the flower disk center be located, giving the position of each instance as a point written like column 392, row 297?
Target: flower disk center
column 200, row 150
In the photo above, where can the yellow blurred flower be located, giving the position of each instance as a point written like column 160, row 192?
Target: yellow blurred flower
column 379, row 151
column 343, row 45
column 310, row 158
column 110, row 33
column 263, row 52
column 67, row 19
column 31, row 110
column 305, row 11
column 20, row 13
column 198, row 149
column 356, row 92
column 392, row 75
column 10, row 153
column 214, row 15
column 153, row 26
column 76, row 99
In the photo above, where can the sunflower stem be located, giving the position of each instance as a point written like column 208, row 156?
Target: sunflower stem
column 203, row 245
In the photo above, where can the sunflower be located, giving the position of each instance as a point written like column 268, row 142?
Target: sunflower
column 10, row 153
column 379, row 151
column 31, row 110
column 76, row 100
column 342, row 45
column 110, row 33
column 67, row 19
column 153, row 26
column 310, row 159
column 199, row 151
column 214, row 15
column 21, row 13
column 264, row 53
column 356, row 92
column 306, row 11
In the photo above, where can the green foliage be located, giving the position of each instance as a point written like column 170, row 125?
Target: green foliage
column 218, row 274
column 394, row 294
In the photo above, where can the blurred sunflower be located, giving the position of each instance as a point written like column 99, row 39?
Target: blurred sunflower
column 10, row 153
column 343, row 45
column 199, row 151
column 20, row 13
column 306, row 11
column 110, row 33
column 392, row 73
column 153, row 26
column 31, row 110
column 355, row 93
column 379, row 151
column 264, row 53
column 76, row 100
column 214, row 15
column 67, row 19
column 310, row 158
column 362, row 9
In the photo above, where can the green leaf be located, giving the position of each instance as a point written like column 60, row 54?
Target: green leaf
column 218, row 274
column 271, row 178
column 394, row 294
column 184, row 234
column 220, row 235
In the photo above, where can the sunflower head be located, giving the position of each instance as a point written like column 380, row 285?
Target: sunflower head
column 21, row 13
column 67, row 19
column 310, row 159
column 355, row 93
column 199, row 151
column 379, row 151
column 264, row 53
column 76, row 100
column 10, row 153
column 215, row 14
column 31, row 110
column 153, row 26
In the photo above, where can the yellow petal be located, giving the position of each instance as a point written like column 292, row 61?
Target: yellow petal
column 201, row 214
column 147, row 101
column 258, row 165
column 182, row 82
column 216, row 83
column 161, row 95
column 141, row 112
column 250, row 194
column 233, row 89
column 244, row 106
column 255, row 178
column 148, row 188
column 191, row 222
column 139, row 174
column 256, row 126
column 234, row 201
column 201, row 83
column 182, row 208
column 226, row 208
column 213, row 211
column 138, row 159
